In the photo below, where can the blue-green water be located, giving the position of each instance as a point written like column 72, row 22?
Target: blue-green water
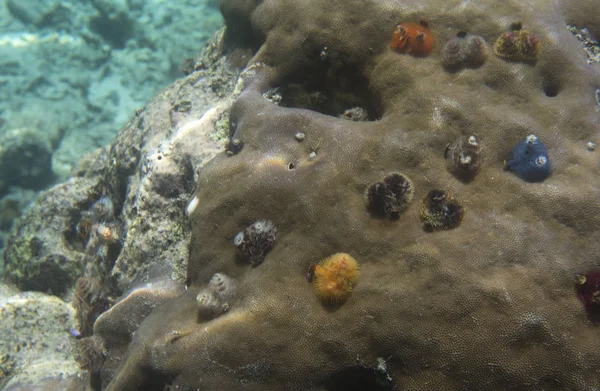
column 73, row 72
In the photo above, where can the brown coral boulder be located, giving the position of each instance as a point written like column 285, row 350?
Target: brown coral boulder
column 489, row 304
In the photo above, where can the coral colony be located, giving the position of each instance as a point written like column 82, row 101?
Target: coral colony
column 387, row 198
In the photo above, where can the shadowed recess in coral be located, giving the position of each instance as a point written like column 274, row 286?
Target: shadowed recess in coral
column 342, row 93
column 360, row 378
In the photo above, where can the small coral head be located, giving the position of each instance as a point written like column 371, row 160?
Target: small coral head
column 334, row 277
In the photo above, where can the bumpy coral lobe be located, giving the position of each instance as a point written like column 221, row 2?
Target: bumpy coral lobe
column 390, row 197
column 440, row 301
column 334, row 277
column 413, row 38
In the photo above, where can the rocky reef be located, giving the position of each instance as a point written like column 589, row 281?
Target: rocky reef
column 465, row 283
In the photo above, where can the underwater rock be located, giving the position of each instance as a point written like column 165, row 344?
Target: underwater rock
column 25, row 160
column 529, row 160
column 38, row 345
column 438, row 309
column 43, row 252
column 38, row 14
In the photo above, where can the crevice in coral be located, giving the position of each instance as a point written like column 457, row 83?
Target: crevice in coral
column 358, row 378
column 343, row 93
column 551, row 89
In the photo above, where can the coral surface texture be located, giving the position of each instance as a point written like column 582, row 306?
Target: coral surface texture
column 463, row 284
column 488, row 304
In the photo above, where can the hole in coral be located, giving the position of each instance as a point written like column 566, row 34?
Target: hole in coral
column 516, row 26
column 551, row 90
column 341, row 93
column 291, row 166
column 76, row 236
column 359, row 378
